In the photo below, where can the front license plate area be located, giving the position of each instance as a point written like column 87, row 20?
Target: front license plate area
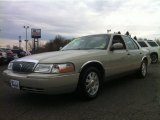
column 15, row 84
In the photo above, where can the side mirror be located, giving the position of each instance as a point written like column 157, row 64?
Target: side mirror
column 117, row 46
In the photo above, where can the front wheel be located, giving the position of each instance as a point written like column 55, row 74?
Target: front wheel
column 89, row 83
column 154, row 58
column 143, row 70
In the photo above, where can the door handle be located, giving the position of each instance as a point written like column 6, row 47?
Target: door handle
column 140, row 53
column 128, row 54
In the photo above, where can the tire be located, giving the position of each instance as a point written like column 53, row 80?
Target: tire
column 0, row 62
column 143, row 69
column 154, row 58
column 90, row 83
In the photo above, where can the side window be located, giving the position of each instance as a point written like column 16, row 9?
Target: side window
column 131, row 45
column 118, row 39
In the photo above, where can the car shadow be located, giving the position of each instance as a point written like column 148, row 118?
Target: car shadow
column 65, row 99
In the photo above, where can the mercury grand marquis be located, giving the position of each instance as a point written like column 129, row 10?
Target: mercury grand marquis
column 82, row 66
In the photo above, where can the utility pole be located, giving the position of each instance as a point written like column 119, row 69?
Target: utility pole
column 20, row 42
column 26, row 27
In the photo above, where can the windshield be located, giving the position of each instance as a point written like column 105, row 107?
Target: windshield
column 88, row 42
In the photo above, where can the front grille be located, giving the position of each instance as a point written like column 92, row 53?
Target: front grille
column 26, row 67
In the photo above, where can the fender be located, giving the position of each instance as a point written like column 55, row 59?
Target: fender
column 91, row 61
column 144, row 58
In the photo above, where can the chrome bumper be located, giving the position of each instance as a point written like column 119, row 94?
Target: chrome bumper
column 44, row 83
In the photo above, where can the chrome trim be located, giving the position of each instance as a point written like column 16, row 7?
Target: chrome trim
column 95, row 61
column 27, row 60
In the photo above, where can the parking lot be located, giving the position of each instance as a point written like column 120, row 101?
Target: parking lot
column 127, row 98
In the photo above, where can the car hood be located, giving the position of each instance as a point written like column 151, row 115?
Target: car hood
column 60, row 56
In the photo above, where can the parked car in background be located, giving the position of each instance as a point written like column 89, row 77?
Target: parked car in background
column 3, row 56
column 19, row 52
column 10, row 55
column 153, row 48
column 82, row 66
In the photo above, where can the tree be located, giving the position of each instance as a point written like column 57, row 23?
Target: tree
column 15, row 47
column 55, row 44
column 8, row 46
column 127, row 33
column 135, row 37
column 140, row 39
column 119, row 32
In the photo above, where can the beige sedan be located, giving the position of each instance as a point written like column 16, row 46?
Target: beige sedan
column 82, row 66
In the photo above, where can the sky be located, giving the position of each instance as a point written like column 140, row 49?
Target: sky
column 75, row 18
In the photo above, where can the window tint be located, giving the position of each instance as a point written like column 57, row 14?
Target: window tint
column 118, row 39
column 131, row 45
column 142, row 44
column 153, row 44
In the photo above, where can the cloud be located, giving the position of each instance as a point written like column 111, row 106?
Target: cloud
column 74, row 18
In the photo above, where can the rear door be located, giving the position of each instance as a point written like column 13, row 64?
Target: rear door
column 134, row 53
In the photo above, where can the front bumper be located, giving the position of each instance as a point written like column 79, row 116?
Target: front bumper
column 44, row 83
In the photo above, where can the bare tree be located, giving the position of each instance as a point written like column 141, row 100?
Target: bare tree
column 15, row 47
column 119, row 32
column 54, row 44
column 135, row 37
column 127, row 33
column 8, row 46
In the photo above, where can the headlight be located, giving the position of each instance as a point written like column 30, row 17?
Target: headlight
column 10, row 66
column 55, row 68
column 43, row 68
column 63, row 68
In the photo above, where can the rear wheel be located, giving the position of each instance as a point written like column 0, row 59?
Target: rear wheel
column 143, row 69
column 154, row 58
column 1, row 61
column 89, row 83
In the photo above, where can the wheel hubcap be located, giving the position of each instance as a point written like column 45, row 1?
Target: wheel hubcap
column 92, row 83
column 144, row 69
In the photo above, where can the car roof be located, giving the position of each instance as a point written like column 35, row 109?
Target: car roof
column 110, row 34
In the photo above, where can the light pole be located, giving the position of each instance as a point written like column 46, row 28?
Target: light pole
column 20, row 42
column 26, row 27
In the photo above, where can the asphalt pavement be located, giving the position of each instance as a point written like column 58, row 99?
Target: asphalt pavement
column 126, row 98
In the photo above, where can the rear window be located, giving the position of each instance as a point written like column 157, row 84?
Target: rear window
column 142, row 44
column 153, row 44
